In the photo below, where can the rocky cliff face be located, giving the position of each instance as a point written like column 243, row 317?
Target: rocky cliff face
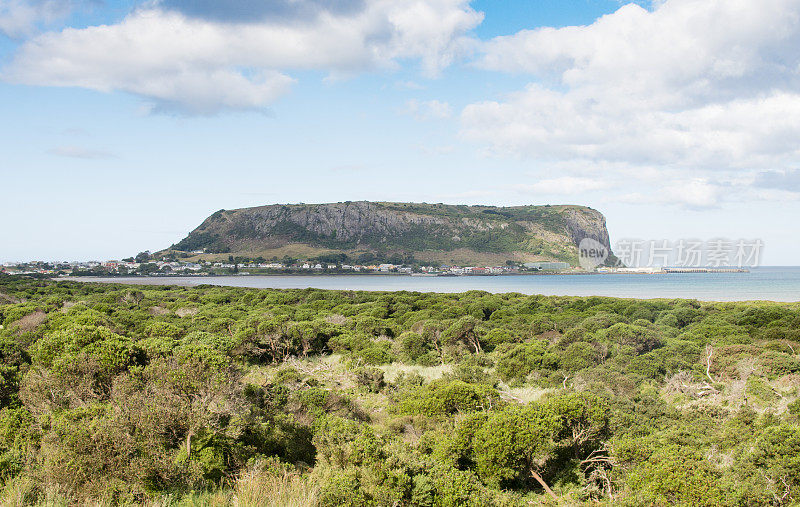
column 583, row 223
column 537, row 231
column 345, row 222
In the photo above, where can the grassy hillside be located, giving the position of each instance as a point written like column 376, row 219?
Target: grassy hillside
column 221, row 396
column 479, row 234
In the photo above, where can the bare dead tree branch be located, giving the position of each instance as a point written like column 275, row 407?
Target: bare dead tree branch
column 544, row 484
column 709, row 353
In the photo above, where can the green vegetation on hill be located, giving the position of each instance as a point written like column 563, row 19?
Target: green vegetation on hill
column 423, row 231
column 116, row 394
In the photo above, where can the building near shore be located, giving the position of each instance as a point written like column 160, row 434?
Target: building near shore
column 547, row 266
column 649, row 270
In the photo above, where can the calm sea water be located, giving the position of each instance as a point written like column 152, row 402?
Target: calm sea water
column 766, row 283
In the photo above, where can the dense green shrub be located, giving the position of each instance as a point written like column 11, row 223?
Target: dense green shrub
column 514, row 442
column 413, row 345
column 515, row 362
column 578, row 356
column 446, row 397
column 777, row 364
column 675, row 476
column 121, row 395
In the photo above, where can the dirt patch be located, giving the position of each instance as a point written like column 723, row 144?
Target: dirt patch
column 789, row 381
column 186, row 312
column 66, row 305
column 5, row 298
column 30, row 321
column 551, row 336
column 158, row 310
column 336, row 319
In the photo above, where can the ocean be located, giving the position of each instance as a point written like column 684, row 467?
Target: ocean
column 764, row 283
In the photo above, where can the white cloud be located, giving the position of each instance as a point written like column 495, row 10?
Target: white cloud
column 20, row 17
column 700, row 85
column 428, row 109
column 206, row 65
column 566, row 185
column 787, row 180
column 706, row 193
column 775, row 195
column 697, row 193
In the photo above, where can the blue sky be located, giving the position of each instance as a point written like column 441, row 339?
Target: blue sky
column 126, row 123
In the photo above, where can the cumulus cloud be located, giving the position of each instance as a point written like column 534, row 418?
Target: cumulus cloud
column 428, row 109
column 566, row 185
column 696, row 193
column 19, row 18
column 774, row 195
column 185, row 55
column 694, row 84
column 788, row 180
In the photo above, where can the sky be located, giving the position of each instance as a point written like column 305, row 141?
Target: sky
column 125, row 123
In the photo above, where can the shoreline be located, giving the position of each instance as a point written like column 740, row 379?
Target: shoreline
column 759, row 285
column 409, row 275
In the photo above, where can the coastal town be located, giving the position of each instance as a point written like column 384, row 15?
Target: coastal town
column 170, row 267
column 153, row 267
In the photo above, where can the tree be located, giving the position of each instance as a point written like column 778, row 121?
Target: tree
column 515, row 362
column 148, row 268
column 515, row 443
column 584, row 420
column 142, row 257
column 463, row 330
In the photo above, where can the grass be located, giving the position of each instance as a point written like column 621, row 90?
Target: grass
column 253, row 489
column 332, row 369
column 524, row 394
column 328, row 368
column 393, row 370
column 287, row 489
column 256, row 487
